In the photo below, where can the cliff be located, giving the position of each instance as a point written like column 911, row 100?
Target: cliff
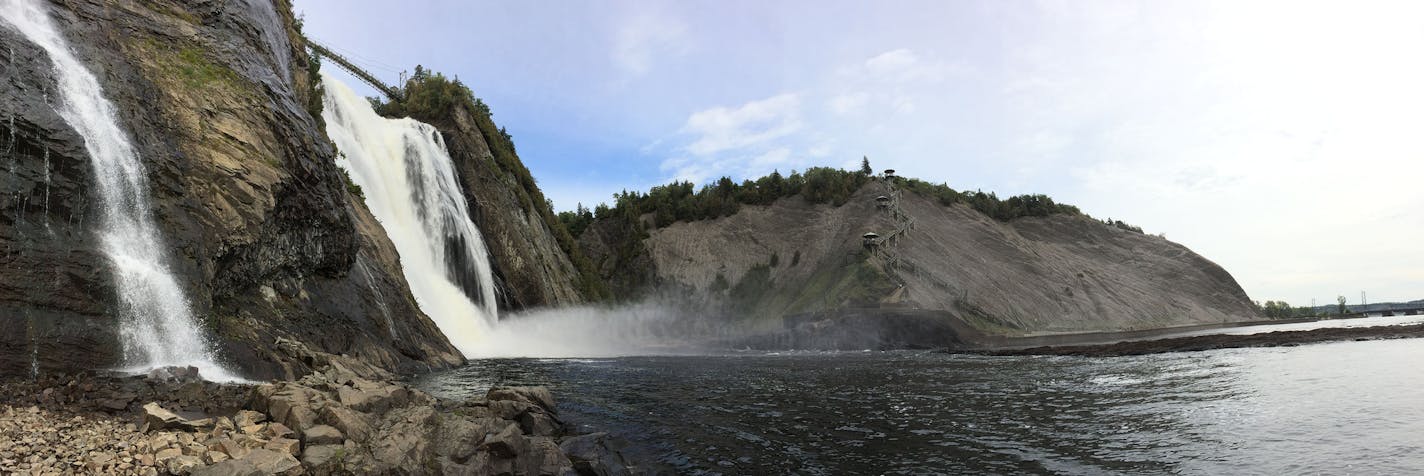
column 533, row 257
column 1033, row 275
column 218, row 98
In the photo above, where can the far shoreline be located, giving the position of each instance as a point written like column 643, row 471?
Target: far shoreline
column 1211, row 341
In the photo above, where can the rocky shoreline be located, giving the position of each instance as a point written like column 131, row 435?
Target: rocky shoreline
column 347, row 418
column 1217, row 341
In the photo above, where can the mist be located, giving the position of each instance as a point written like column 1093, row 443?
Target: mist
column 645, row 328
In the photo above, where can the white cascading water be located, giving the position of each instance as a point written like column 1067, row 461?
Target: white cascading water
column 410, row 185
column 156, row 324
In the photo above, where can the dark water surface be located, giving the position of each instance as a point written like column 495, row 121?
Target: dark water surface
column 1340, row 408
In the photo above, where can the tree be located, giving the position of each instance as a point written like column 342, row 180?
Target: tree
column 1341, row 301
column 1277, row 310
column 865, row 166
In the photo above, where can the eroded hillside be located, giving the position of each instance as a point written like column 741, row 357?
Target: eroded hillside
column 1062, row 272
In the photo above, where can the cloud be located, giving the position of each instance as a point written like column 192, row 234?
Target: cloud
column 902, row 66
column 757, row 122
column 893, row 61
column 641, row 40
column 849, row 103
column 746, row 140
column 775, row 133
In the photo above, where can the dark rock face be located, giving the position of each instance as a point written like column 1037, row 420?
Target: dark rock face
column 269, row 244
column 47, row 276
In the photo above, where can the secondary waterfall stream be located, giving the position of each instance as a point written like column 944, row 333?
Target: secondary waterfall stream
column 409, row 183
column 156, row 325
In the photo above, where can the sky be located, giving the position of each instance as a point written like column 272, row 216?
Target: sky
column 1282, row 140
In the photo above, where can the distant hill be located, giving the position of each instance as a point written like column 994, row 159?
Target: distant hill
column 1013, row 267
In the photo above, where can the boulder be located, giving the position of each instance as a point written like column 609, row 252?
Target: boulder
column 245, row 418
column 539, row 396
column 293, row 405
column 355, row 425
column 539, row 424
column 231, row 447
column 117, row 402
column 162, row 456
column 199, row 425
column 285, row 445
column 407, row 438
column 98, row 461
column 322, row 435
column 232, row 467
column 183, row 464
column 532, row 417
column 272, row 462
column 594, row 455
column 373, row 397
column 511, row 410
column 276, row 430
column 544, row 457
column 156, row 417
column 323, row 459
column 301, row 418
column 162, row 440
column 215, row 457
column 459, row 439
column 507, row 443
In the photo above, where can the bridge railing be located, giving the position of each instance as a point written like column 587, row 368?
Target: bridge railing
column 391, row 92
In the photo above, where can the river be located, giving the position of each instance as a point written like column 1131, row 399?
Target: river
column 1334, row 408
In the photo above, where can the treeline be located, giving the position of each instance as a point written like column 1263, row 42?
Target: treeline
column 1018, row 206
column 431, row 96
column 683, row 201
column 1283, row 310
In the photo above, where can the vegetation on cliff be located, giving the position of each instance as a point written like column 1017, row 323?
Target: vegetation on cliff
column 681, row 201
column 433, row 96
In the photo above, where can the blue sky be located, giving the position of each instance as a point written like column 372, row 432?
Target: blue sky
column 1283, row 140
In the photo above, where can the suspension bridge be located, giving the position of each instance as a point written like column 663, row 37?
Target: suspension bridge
column 392, row 92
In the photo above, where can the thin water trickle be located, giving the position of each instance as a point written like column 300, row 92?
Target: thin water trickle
column 410, row 185
column 34, row 346
column 12, row 153
column 380, row 299
column 157, row 326
column 48, row 231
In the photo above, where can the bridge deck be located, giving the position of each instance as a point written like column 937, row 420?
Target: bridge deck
column 391, row 92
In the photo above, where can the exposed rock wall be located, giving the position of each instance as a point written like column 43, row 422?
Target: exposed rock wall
column 1028, row 276
column 215, row 96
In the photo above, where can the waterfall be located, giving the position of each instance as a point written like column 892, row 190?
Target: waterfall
column 156, row 325
column 409, row 181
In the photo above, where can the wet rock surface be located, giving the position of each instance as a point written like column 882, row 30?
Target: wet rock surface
column 73, row 425
column 217, row 99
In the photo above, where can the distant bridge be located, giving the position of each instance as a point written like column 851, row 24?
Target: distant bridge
column 394, row 93
column 1398, row 311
